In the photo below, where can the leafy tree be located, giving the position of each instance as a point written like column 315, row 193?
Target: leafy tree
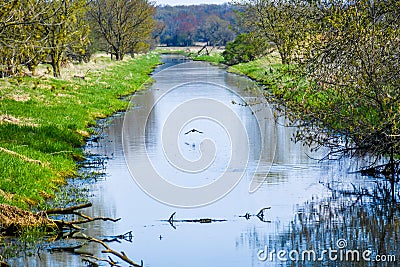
column 20, row 43
column 244, row 48
column 34, row 30
column 65, row 29
column 282, row 22
column 352, row 101
column 124, row 25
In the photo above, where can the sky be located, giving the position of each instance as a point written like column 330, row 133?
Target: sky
column 189, row 2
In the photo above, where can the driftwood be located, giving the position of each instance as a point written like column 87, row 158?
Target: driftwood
column 13, row 219
column 201, row 50
column 171, row 220
column 61, row 224
column 108, row 250
column 259, row 215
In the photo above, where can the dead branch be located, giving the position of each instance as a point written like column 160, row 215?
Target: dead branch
column 121, row 255
column 73, row 211
column 116, row 238
column 68, row 210
column 92, row 263
column 171, row 220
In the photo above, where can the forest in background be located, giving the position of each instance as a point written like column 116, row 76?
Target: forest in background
column 34, row 32
column 185, row 25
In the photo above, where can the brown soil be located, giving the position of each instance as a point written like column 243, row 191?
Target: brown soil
column 13, row 219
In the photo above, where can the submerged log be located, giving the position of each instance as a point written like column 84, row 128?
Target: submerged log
column 171, row 220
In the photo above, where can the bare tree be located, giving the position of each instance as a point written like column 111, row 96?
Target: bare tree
column 122, row 24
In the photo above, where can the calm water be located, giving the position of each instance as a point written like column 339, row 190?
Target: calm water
column 312, row 204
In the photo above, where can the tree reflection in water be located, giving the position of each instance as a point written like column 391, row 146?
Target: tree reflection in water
column 367, row 219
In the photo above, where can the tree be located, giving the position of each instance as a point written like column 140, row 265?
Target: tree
column 281, row 22
column 65, row 29
column 352, row 101
column 196, row 21
column 217, row 31
column 20, row 43
column 122, row 24
column 244, row 48
column 34, row 30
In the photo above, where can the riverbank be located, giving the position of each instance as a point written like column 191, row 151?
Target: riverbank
column 44, row 122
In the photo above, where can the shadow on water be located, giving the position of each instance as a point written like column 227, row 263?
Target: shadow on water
column 303, row 204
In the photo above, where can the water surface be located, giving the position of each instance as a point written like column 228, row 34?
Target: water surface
column 312, row 204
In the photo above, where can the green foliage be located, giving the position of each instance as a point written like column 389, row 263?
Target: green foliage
column 244, row 48
column 33, row 31
column 65, row 29
column 280, row 22
column 215, row 58
column 354, row 59
column 44, row 122
column 343, row 83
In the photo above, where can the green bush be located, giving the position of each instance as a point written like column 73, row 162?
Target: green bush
column 244, row 48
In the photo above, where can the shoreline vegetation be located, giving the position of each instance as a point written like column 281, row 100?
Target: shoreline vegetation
column 44, row 122
column 287, row 87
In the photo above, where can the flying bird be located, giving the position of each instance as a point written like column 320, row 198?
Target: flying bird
column 193, row 131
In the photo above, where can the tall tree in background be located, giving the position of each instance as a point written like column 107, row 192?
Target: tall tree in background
column 184, row 25
column 217, row 31
column 281, row 22
column 65, row 29
column 122, row 24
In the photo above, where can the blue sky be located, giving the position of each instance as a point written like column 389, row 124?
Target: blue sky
column 189, row 2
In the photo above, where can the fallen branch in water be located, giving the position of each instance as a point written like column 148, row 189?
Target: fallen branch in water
column 259, row 215
column 108, row 250
column 97, row 259
column 13, row 219
column 171, row 220
column 61, row 224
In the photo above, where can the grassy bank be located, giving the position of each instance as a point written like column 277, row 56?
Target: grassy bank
column 44, row 122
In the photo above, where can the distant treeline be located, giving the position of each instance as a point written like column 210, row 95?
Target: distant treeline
column 185, row 25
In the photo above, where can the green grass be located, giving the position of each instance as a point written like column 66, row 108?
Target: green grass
column 215, row 58
column 45, row 122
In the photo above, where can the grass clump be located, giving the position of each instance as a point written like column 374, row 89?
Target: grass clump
column 44, row 122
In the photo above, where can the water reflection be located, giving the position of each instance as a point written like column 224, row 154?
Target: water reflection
column 312, row 204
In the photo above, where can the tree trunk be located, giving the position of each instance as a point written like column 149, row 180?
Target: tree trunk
column 56, row 62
